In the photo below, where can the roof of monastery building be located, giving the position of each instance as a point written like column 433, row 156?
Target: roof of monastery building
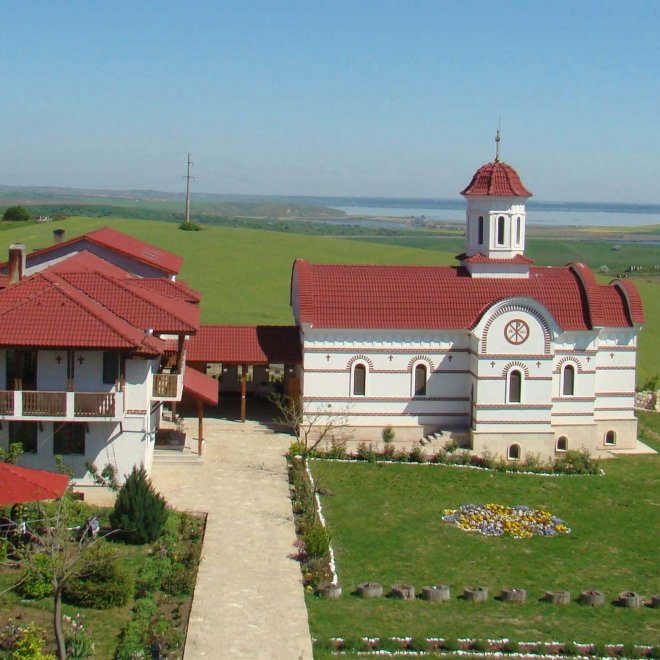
column 446, row 298
column 90, row 310
column 122, row 244
column 496, row 179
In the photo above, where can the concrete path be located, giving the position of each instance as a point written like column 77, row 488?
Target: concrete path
column 249, row 600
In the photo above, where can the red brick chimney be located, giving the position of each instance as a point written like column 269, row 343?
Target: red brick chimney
column 16, row 268
column 58, row 236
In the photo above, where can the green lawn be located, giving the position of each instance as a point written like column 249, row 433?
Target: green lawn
column 245, row 274
column 386, row 525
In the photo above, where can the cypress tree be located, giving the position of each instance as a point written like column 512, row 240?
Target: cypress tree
column 140, row 512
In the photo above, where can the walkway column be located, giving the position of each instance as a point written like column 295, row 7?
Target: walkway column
column 243, row 391
column 200, row 425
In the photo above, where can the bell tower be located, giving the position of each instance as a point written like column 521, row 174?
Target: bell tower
column 495, row 219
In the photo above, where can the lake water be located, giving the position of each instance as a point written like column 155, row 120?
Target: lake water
column 556, row 217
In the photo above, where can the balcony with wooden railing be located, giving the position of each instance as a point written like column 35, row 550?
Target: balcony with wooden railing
column 71, row 406
column 167, row 387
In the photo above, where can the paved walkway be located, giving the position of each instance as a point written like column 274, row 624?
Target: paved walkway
column 249, row 599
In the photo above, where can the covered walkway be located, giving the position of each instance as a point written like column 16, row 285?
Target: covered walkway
column 248, row 361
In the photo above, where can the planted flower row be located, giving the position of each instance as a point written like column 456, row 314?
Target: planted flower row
column 432, row 645
column 571, row 463
column 518, row 521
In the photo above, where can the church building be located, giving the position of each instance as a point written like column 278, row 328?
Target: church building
column 497, row 353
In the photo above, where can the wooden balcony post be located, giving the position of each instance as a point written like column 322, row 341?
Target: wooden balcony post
column 200, row 425
column 243, row 391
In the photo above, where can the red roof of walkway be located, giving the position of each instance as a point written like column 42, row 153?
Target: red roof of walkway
column 245, row 344
column 200, row 386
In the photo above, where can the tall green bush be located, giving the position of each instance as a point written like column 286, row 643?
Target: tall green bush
column 140, row 512
column 37, row 581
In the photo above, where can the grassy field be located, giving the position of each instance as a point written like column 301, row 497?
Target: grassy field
column 245, row 274
column 386, row 525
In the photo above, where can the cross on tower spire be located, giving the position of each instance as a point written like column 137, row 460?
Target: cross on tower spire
column 497, row 146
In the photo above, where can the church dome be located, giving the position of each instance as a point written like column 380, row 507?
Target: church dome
column 496, row 179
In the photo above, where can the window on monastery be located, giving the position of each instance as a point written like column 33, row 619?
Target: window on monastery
column 25, row 433
column 500, row 230
column 480, row 227
column 514, row 452
column 568, row 380
column 562, row 443
column 69, row 438
column 515, row 386
column 610, row 438
column 420, row 380
column 518, row 230
column 359, row 380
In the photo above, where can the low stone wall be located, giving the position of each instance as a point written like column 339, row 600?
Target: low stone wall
column 648, row 400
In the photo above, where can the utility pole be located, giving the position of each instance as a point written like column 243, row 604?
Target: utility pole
column 187, row 178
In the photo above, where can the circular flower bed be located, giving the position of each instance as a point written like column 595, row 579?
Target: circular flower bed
column 520, row 521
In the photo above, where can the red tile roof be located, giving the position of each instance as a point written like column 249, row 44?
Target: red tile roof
column 46, row 311
column 141, row 307
column 167, row 262
column 443, row 297
column 178, row 290
column 200, row 386
column 245, row 344
column 21, row 484
column 496, row 179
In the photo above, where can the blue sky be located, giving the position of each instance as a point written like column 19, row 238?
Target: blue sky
column 333, row 98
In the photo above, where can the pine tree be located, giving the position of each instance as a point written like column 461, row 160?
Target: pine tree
column 140, row 512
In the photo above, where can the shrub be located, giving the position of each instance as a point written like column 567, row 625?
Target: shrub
column 37, row 580
column 337, row 449
column 450, row 644
column 189, row 226
column 102, row 584
column 511, row 647
column 180, row 580
column 481, row 645
column 416, row 455
column 387, row 453
column 139, row 512
column 77, row 640
column 366, row 452
column 297, row 448
column 317, row 540
column 135, row 637
column 450, row 446
column 440, row 457
column 570, row 649
column 29, row 644
column 387, row 434
column 419, row 644
column 576, row 462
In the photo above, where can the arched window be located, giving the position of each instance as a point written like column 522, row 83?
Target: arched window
column 513, row 452
column 500, row 230
column 359, row 380
column 514, row 386
column 568, row 380
column 518, row 230
column 420, row 379
column 480, row 226
column 562, row 443
column 610, row 438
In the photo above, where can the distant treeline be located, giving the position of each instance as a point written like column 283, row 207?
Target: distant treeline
column 206, row 217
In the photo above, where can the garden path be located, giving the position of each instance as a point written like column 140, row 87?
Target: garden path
column 249, row 600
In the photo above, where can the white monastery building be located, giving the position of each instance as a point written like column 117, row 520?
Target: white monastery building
column 93, row 333
column 497, row 353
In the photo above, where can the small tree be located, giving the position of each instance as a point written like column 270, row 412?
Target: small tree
column 57, row 554
column 311, row 424
column 140, row 512
column 16, row 214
